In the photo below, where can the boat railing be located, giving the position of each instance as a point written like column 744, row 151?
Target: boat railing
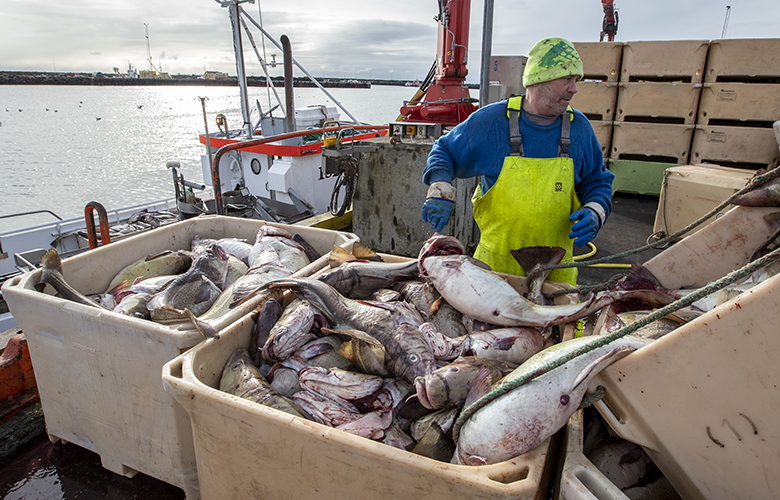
column 32, row 212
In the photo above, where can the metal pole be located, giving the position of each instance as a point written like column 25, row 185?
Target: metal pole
column 314, row 80
column 289, row 118
column 487, row 47
column 238, row 48
column 206, row 124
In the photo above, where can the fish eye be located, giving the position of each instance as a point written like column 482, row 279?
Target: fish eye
column 454, row 369
column 236, row 366
column 413, row 358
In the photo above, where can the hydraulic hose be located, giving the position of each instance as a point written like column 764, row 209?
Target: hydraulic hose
column 592, row 253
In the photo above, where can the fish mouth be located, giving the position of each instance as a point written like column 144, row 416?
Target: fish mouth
column 437, row 245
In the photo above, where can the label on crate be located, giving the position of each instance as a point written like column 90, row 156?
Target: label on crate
column 716, row 136
column 727, row 95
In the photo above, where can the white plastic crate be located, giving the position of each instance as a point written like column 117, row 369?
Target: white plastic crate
column 580, row 478
column 98, row 372
column 244, row 448
column 702, row 400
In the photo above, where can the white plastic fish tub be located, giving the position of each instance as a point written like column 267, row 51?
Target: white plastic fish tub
column 581, row 479
column 703, row 400
column 243, row 448
column 98, row 372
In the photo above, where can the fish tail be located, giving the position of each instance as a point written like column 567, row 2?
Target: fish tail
column 529, row 257
column 203, row 327
column 51, row 260
column 640, row 278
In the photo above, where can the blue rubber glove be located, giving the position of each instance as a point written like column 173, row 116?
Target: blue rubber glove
column 587, row 226
column 437, row 211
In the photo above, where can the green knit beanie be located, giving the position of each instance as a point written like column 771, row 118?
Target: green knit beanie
column 549, row 59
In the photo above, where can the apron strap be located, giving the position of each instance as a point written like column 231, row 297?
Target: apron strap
column 515, row 139
column 565, row 141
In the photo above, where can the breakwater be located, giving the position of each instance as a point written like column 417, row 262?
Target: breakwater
column 51, row 78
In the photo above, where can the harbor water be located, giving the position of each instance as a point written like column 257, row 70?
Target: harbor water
column 62, row 147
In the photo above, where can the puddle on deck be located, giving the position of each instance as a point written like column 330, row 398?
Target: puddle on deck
column 61, row 471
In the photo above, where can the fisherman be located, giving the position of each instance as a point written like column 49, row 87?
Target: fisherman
column 539, row 162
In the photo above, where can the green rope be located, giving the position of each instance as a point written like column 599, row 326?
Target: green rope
column 752, row 184
column 587, row 289
column 606, row 339
column 593, row 397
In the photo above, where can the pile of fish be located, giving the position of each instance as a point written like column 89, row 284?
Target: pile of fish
column 626, row 465
column 393, row 351
column 200, row 284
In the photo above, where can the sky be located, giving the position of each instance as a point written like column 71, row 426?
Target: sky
column 363, row 39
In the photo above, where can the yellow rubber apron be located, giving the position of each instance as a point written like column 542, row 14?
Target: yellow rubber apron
column 529, row 205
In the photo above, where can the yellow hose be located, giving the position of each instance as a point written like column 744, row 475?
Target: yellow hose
column 592, row 253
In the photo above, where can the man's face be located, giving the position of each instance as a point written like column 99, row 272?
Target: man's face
column 553, row 97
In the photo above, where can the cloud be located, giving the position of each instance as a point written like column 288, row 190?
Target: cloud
column 340, row 38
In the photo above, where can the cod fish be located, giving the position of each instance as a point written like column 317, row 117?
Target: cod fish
column 195, row 290
column 244, row 288
column 482, row 294
column 624, row 463
column 51, row 274
column 241, row 378
column 292, row 330
column 444, row 418
column 267, row 316
column 531, row 259
column 765, row 195
column 322, row 352
column 159, row 264
column 404, row 353
column 358, row 279
column 237, row 247
column 291, row 254
column 523, row 418
column 342, row 383
column 380, row 320
column 421, row 295
column 653, row 331
column 513, row 345
column 132, row 302
column 450, row 384
column 365, row 352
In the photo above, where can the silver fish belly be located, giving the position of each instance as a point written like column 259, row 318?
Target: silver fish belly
column 483, row 295
column 525, row 417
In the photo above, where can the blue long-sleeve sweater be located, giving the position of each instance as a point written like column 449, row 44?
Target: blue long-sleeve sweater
column 478, row 146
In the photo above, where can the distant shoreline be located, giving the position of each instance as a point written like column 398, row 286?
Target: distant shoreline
column 53, row 78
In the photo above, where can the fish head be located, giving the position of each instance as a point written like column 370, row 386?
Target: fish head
column 433, row 390
column 410, row 356
column 763, row 195
column 439, row 244
column 269, row 230
column 237, row 369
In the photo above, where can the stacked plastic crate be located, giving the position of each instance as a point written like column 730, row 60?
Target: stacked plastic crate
column 657, row 100
column 739, row 102
column 597, row 92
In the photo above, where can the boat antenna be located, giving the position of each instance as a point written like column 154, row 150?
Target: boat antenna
column 265, row 56
column 308, row 75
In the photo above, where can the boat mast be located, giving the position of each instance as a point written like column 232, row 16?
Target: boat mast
column 238, row 48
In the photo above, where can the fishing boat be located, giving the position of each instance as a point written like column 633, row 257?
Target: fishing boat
column 289, row 165
column 284, row 169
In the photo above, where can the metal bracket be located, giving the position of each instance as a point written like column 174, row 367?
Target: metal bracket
column 417, row 131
